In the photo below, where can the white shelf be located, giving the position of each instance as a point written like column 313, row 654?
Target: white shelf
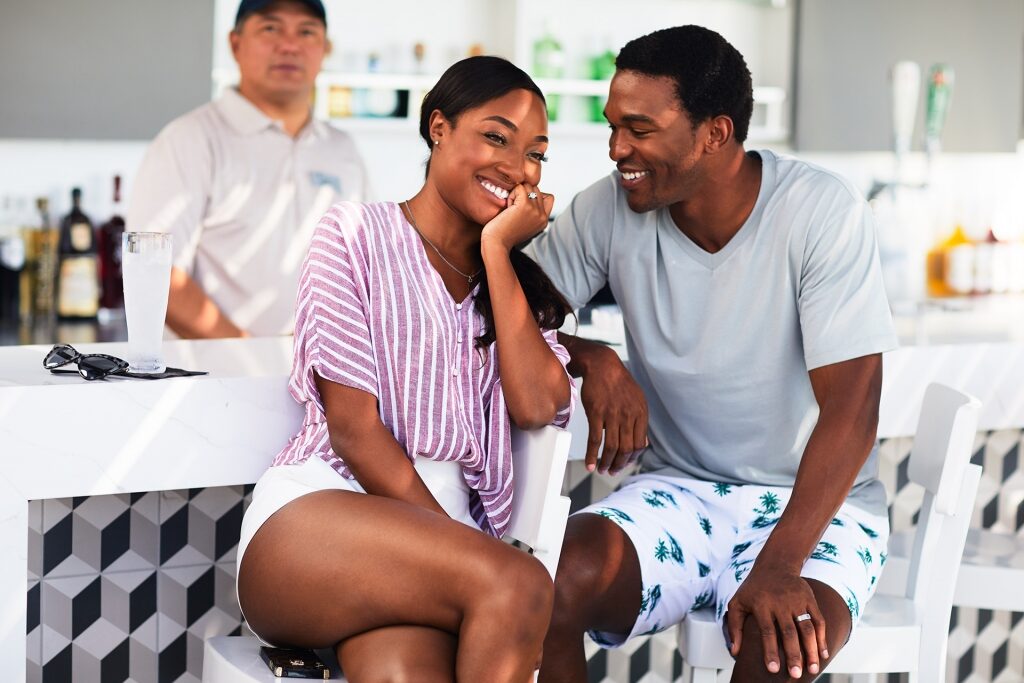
column 770, row 99
column 766, row 95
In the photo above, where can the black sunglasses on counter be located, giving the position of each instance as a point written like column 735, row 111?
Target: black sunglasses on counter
column 90, row 365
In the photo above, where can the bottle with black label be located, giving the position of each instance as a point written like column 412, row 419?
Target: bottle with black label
column 109, row 238
column 78, row 283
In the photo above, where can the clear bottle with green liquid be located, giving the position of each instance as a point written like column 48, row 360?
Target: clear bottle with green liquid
column 602, row 68
column 549, row 62
column 940, row 93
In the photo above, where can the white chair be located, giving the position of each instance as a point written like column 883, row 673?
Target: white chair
column 538, row 520
column 905, row 632
column 991, row 569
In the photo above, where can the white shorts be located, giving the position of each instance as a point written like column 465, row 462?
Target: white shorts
column 281, row 485
column 697, row 540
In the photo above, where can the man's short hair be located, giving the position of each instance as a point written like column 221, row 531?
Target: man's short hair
column 711, row 76
column 247, row 7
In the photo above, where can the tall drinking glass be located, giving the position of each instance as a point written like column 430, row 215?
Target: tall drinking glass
column 146, row 266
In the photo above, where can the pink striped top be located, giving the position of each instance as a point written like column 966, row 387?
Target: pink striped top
column 372, row 313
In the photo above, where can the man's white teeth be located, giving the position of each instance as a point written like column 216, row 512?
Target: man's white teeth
column 634, row 176
column 498, row 192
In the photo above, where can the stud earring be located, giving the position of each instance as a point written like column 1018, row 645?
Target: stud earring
column 437, row 142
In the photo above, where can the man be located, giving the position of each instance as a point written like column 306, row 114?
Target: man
column 755, row 318
column 240, row 182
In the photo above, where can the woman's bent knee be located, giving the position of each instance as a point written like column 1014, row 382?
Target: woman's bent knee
column 522, row 590
column 402, row 672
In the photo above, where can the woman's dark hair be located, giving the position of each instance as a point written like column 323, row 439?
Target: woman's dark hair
column 710, row 75
column 467, row 84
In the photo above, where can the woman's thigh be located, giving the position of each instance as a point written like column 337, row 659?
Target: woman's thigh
column 399, row 653
column 333, row 564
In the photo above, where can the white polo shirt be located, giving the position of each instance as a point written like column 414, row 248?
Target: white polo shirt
column 242, row 198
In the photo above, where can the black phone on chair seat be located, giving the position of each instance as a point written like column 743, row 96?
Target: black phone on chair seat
column 289, row 662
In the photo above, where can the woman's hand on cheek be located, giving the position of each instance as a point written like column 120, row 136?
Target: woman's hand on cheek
column 522, row 219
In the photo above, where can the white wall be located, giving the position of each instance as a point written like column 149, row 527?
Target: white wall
column 108, row 69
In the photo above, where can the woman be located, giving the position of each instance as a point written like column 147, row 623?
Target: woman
column 421, row 335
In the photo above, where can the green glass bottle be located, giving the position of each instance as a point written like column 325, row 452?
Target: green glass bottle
column 602, row 67
column 940, row 92
column 549, row 62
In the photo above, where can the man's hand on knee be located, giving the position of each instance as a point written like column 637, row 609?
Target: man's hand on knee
column 783, row 607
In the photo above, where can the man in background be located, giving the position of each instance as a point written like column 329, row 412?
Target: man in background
column 241, row 181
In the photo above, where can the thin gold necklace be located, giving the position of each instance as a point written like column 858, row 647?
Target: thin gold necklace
column 412, row 221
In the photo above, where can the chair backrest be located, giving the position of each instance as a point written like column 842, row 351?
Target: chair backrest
column 945, row 431
column 538, row 509
column 940, row 462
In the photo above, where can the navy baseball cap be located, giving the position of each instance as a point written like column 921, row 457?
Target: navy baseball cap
column 247, row 7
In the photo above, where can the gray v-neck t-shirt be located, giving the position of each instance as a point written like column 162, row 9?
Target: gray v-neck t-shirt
column 721, row 343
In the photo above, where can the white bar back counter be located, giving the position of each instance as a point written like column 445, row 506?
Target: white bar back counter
column 61, row 436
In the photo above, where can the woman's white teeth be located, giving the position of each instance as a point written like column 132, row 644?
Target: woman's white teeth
column 498, row 192
column 634, row 176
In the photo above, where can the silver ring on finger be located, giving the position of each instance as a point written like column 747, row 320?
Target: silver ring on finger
column 803, row 617
column 532, row 195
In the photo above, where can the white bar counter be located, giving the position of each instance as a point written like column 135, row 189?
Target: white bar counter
column 61, row 436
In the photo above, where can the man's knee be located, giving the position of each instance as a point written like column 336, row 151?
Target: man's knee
column 838, row 621
column 751, row 664
column 598, row 567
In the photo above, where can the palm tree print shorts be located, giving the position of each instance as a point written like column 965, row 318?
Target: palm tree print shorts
column 697, row 540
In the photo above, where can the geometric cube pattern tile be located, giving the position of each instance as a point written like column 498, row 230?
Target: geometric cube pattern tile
column 127, row 587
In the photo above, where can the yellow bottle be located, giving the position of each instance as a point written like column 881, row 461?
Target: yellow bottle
column 938, row 266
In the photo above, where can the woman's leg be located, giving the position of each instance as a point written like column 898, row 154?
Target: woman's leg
column 334, row 564
column 399, row 653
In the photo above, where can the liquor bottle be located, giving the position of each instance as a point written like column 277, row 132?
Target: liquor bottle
column 940, row 91
column 43, row 255
column 549, row 62
column 109, row 245
column 602, row 68
column 78, row 284
column 378, row 102
column 950, row 265
column 906, row 87
column 12, row 265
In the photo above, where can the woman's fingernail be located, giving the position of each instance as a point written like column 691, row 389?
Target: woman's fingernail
column 773, row 667
column 590, row 468
column 824, row 653
column 795, row 672
column 813, row 668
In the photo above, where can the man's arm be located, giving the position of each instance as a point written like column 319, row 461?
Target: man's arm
column 614, row 404
column 848, row 395
column 191, row 314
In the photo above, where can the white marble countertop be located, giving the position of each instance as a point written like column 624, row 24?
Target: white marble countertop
column 63, row 436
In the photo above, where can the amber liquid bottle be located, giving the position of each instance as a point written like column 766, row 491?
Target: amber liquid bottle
column 78, row 283
column 44, row 260
column 109, row 246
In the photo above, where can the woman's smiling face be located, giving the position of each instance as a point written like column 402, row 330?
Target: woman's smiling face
column 487, row 151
